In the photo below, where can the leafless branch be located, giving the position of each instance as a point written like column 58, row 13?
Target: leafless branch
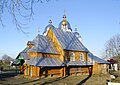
column 18, row 9
column 113, row 46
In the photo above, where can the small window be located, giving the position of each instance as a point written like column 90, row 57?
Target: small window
column 81, row 57
column 89, row 57
column 105, row 66
column 72, row 56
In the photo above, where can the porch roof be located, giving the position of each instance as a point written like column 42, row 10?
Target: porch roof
column 41, row 44
column 16, row 62
column 45, row 62
column 98, row 60
column 23, row 55
column 78, row 63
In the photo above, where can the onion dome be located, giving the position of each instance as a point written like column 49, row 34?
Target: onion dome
column 48, row 27
column 77, row 34
column 64, row 24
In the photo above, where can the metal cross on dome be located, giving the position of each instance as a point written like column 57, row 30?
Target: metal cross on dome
column 50, row 21
column 64, row 12
column 64, row 16
column 38, row 30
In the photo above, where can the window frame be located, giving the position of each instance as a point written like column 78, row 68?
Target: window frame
column 72, row 56
column 81, row 57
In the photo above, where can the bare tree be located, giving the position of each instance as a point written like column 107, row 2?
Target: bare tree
column 18, row 9
column 6, row 57
column 113, row 48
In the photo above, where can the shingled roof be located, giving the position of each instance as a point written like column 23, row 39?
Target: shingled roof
column 97, row 59
column 23, row 55
column 69, row 41
column 42, row 44
column 78, row 63
column 43, row 61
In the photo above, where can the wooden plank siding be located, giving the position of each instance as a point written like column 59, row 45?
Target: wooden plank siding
column 77, row 55
column 35, row 71
column 22, row 68
column 79, row 70
column 51, row 71
column 100, row 68
column 55, row 41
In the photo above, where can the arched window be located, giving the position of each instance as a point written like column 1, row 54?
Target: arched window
column 89, row 57
column 81, row 57
column 72, row 56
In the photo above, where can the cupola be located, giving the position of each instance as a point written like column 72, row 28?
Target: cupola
column 48, row 27
column 64, row 24
column 78, row 35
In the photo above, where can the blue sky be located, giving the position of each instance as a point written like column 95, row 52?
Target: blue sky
column 97, row 21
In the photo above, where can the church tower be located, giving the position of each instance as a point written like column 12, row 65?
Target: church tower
column 77, row 34
column 48, row 27
column 64, row 24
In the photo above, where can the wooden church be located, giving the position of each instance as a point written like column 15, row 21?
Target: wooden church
column 59, row 52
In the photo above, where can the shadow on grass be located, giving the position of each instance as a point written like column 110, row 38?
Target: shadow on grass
column 84, row 80
column 31, row 81
column 51, row 81
column 46, row 82
column 7, row 75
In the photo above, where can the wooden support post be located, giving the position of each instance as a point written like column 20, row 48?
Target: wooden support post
column 30, row 70
column 64, row 71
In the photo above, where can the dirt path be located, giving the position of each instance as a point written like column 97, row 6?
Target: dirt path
column 69, row 80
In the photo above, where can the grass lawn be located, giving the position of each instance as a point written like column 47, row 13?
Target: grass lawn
column 69, row 80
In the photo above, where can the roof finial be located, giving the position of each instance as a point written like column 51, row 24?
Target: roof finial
column 64, row 12
column 50, row 21
column 38, row 30
column 64, row 16
column 76, row 29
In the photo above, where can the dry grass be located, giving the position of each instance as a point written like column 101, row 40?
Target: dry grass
column 117, row 74
column 70, row 80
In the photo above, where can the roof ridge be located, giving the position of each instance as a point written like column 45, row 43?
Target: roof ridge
column 65, row 38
